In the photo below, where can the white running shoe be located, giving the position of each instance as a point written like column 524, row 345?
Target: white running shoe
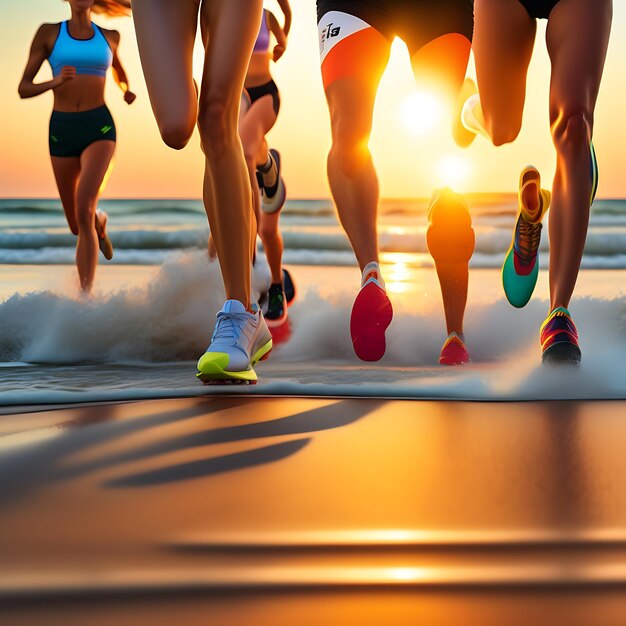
column 239, row 341
column 273, row 198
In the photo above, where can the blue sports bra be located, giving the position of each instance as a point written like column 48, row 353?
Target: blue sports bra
column 89, row 56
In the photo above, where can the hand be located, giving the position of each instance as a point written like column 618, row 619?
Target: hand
column 129, row 97
column 67, row 73
column 279, row 50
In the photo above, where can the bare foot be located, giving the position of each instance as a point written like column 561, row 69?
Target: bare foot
column 106, row 247
column 101, row 223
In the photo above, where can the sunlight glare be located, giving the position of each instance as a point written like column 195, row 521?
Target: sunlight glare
column 453, row 171
column 421, row 112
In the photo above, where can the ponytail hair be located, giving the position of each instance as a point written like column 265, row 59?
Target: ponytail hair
column 112, row 8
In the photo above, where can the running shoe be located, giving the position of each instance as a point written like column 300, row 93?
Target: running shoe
column 276, row 306
column 454, row 351
column 559, row 339
column 521, row 266
column 273, row 196
column 371, row 315
column 290, row 287
column 240, row 339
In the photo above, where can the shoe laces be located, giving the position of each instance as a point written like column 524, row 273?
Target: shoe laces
column 528, row 238
column 229, row 326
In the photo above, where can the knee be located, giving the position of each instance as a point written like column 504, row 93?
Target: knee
column 504, row 133
column 250, row 152
column 350, row 151
column 74, row 229
column 571, row 130
column 217, row 124
column 267, row 232
column 176, row 133
column 85, row 218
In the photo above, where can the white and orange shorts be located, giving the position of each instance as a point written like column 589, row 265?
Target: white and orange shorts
column 355, row 35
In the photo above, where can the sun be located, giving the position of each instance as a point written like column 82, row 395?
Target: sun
column 453, row 171
column 421, row 112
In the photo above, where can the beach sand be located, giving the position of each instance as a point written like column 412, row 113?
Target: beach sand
column 314, row 511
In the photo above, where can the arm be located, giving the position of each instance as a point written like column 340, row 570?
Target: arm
column 286, row 9
column 39, row 52
column 279, row 33
column 119, row 73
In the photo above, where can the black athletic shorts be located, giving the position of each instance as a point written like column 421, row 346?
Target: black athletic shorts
column 539, row 8
column 72, row 132
column 270, row 88
column 416, row 22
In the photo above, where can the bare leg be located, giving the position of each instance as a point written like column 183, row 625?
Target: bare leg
column 504, row 37
column 272, row 244
column 256, row 123
column 94, row 163
column 443, row 63
column 66, row 173
column 230, row 28
column 450, row 236
column 351, row 172
column 577, row 37
column 166, row 32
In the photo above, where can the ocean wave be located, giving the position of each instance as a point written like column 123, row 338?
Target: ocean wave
column 345, row 258
column 600, row 242
column 170, row 320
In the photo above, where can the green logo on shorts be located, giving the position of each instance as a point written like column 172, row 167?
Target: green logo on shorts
column 105, row 129
column 54, row 139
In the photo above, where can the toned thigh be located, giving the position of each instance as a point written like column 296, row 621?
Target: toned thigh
column 352, row 64
column 577, row 38
column 442, row 63
column 230, row 28
column 255, row 124
column 94, row 161
column 66, row 172
column 166, row 33
column 504, row 36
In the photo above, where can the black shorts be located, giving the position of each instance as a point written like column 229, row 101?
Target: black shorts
column 416, row 22
column 72, row 132
column 539, row 8
column 268, row 89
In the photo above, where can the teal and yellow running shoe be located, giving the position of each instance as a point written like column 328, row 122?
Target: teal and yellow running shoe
column 521, row 266
column 559, row 339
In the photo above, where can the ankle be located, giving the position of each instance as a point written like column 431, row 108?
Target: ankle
column 267, row 166
column 372, row 270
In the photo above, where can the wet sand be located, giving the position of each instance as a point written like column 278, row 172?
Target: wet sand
column 314, row 511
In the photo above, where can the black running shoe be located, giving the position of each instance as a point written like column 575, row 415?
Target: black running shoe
column 276, row 306
column 290, row 288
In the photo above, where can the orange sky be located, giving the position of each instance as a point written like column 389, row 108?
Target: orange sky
column 409, row 163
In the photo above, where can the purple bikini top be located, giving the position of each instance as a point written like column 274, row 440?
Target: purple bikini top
column 262, row 43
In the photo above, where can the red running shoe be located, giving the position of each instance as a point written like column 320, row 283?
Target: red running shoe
column 454, row 351
column 371, row 315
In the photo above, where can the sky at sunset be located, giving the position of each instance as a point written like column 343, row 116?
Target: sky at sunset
column 411, row 160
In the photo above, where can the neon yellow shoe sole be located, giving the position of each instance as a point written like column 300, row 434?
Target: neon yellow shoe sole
column 211, row 367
